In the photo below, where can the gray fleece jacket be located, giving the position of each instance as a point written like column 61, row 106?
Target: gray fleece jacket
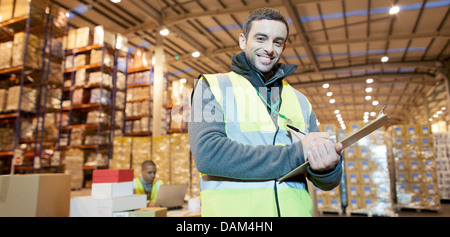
column 215, row 154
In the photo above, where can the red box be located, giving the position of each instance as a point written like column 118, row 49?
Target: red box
column 112, row 176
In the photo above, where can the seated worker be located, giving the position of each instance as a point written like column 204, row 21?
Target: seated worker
column 147, row 184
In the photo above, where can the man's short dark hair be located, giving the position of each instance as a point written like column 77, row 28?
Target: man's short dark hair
column 264, row 13
column 147, row 162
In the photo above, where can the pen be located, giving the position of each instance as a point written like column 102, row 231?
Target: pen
column 295, row 129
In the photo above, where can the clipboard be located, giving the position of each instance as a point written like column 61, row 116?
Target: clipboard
column 381, row 120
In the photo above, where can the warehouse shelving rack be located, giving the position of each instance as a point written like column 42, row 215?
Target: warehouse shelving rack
column 105, row 104
column 40, row 23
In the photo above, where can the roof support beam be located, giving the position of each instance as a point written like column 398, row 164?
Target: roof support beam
column 292, row 11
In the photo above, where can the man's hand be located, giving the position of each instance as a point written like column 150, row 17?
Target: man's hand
column 322, row 154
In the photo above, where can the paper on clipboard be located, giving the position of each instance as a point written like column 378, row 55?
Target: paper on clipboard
column 381, row 120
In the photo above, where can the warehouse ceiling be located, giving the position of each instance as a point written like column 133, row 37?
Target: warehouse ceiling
column 339, row 42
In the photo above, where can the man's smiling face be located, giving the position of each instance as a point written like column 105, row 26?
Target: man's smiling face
column 264, row 45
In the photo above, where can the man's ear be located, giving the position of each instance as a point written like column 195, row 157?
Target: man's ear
column 242, row 41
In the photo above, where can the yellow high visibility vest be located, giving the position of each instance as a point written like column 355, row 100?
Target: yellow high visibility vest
column 247, row 121
column 155, row 187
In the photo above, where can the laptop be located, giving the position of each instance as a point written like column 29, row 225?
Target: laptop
column 171, row 195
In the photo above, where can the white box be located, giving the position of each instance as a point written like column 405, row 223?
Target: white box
column 120, row 189
column 88, row 206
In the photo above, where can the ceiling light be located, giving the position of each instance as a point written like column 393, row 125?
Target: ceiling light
column 196, row 54
column 373, row 113
column 443, row 108
column 115, row 1
column 332, row 101
column 365, row 117
column 326, row 85
column 384, row 59
column 394, row 10
column 368, row 97
column 329, row 93
column 369, row 89
column 439, row 112
column 370, row 80
column 336, row 111
column 340, row 119
column 375, row 102
column 430, row 119
column 164, row 32
column 365, row 121
column 183, row 80
column 435, row 115
column 338, row 115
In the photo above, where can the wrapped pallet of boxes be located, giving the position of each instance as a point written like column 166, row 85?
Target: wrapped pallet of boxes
column 102, row 36
column 3, row 98
column 180, row 159
column 6, row 10
column 368, row 180
column 100, row 57
column 83, row 37
column 6, row 49
column 35, row 195
column 28, row 99
column 161, row 157
column 112, row 191
column 33, row 57
column 122, row 153
column 415, row 166
column 101, row 96
column 141, row 151
column 442, row 151
column 73, row 165
column 100, row 78
column 6, row 143
column 22, row 7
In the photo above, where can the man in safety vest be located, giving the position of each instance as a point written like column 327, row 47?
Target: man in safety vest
column 147, row 184
column 239, row 136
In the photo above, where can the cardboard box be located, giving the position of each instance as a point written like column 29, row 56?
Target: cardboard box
column 120, row 189
column 113, row 176
column 35, row 195
column 154, row 211
column 89, row 206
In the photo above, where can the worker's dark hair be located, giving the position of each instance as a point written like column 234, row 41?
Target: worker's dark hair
column 147, row 162
column 264, row 13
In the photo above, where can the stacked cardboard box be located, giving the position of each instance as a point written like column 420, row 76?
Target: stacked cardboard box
column 102, row 36
column 6, row 10
column 112, row 191
column 415, row 167
column 73, row 161
column 442, row 151
column 6, row 49
column 28, row 102
column 35, row 195
column 100, row 95
column 22, row 7
column 3, row 98
column 368, row 180
column 329, row 201
column 33, row 58
column 6, row 141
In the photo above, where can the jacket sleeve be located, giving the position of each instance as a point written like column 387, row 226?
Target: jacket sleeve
column 215, row 154
column 327, row 180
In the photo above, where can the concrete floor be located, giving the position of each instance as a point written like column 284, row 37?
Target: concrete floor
column 444, row 212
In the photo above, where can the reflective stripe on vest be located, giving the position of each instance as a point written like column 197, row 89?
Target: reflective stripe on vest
column 248, row 122
column 155, row 187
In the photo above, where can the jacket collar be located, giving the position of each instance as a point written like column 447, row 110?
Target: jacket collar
column 240, row 66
